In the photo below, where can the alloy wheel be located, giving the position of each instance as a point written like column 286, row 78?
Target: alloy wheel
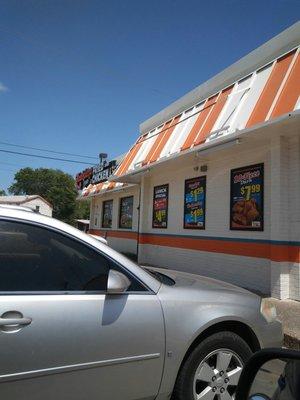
column 217, row 376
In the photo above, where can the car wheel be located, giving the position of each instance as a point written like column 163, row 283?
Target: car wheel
column 212, row 370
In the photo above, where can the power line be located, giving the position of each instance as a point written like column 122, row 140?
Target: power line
column 47, row 151
column 45, row 157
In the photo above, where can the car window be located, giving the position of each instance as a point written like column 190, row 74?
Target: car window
column 37, row 259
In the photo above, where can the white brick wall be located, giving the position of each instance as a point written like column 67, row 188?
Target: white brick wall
column 96, row 208
column 294, row 211
column 248, row 272
column 281, row 202
column 218, row 192
column 125, row 245
column 281, row 158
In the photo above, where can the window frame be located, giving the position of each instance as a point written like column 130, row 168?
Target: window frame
column 112, row 210
column 120, row 208
column 147, row 291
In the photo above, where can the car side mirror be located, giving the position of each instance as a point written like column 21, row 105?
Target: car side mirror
column 117, row 282
column 270, row 374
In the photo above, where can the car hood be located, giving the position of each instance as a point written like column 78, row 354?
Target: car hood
column 198, row 282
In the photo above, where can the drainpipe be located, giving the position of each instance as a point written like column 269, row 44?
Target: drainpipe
column 140, row 213
column 138, row 223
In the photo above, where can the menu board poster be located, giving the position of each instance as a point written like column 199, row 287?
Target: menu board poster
column 247, row 198
column 160, row 206
column 194, row 203
column 107, row 211
column 126, row 211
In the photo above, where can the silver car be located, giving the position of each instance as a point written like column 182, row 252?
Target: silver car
column 80, row 321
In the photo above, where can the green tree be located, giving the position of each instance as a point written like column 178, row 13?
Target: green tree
column 53, row 185
column 2, row 192
column 82, row 210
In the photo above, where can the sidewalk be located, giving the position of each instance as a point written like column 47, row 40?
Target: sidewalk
column 288, row 312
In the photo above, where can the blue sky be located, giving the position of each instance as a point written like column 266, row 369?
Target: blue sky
column 79, row 76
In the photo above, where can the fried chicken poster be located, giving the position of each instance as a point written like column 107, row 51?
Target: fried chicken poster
column 247, row 191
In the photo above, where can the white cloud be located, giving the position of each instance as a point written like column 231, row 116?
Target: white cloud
column 3, row 88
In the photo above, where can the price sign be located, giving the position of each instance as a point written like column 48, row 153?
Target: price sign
column 194, row 203
column 160, row 206
column 247, row 192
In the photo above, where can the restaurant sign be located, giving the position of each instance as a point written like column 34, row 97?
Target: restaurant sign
column 247, row 195
column 96, row 174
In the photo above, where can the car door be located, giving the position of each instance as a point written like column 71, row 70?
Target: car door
column 61, row 335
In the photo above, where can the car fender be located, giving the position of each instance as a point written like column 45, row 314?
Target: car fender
column 186, row 321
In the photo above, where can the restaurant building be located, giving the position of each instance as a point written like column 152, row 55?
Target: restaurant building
column 212, row 184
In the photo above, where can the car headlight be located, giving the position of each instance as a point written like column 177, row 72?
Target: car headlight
column 268, row 310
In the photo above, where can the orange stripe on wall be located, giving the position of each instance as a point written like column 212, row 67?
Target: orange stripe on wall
column 165, row 137
column 273, row 252
column 215, row 112
column 199, row 122
column 290, row 92
column 270, row 90
column 156, row 143
column 115, row 234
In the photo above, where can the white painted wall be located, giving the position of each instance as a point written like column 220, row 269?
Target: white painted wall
column 281, row 198
column 244, row 271
column 121, row 244
column 281, row 158
column 44, row 208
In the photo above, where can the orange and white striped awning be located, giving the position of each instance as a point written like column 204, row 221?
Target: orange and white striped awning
column 262, row 96
column 100, row 188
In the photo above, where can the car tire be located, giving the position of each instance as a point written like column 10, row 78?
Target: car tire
column 212, row 350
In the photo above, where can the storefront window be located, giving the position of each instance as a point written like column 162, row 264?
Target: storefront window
column 247, row 198
column 126, row 212
column 194, row 203
column 160, row 206
column 107, row 214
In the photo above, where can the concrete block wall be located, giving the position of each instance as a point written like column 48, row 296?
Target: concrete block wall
column 294, row 212
column 261, row 270
column 281, row 158
column 249, row 272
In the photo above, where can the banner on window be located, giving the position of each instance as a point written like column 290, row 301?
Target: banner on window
column 247, row 198
column 194, row 203
column 126, row 211
column 107, row 214
column 160, row 206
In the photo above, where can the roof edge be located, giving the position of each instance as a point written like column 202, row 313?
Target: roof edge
column 238, row 134
column 26, row 199
column 270, row 50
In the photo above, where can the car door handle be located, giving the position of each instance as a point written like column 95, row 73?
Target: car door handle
column 15, row 321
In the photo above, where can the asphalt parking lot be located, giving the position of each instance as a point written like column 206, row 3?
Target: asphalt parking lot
column 267, row 377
